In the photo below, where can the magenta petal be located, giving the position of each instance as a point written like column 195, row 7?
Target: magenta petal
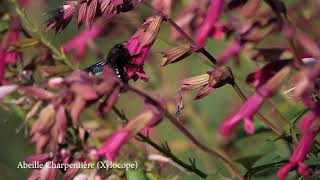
column 12, row 57
column 303, row 169
column 134, row 47
column 263, row 74
column 302, row 148
column 246, row 112
column 113, row 144
column 231, row 51
column 210, row 23
column 79, row 43
column 248, row 126
column 284, row 170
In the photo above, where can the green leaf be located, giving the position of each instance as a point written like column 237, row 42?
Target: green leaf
column 135, row 175
column 247, row 162
column 4, row 25
column 217, row 176
column 298, row 115
column 315, row 161
column 267, row 161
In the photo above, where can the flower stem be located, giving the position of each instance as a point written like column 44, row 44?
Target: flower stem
column 186, row 132
column 146, row 139
column 243, row 97
column 59, row 54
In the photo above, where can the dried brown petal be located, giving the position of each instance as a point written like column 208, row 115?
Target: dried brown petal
column 149, row 30
column 194, row 82
column 176, row 54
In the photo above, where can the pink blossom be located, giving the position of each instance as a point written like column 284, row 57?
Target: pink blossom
column 233, row 50
column 303, row 148
column 135, row 47
column 186, row 19
column 246, row 112
column 11, row 39
column 163, row 5
column 113, row 144
column 12, row 57
column 263, row 74
column 253, row 104
column 157, row 115
column 139, row 46
column 80, row 42
column 62, row 16
column 210, row 24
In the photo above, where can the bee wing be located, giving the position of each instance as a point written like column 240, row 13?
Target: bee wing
column 97, row 68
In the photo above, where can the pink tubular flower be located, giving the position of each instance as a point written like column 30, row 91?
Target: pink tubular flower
column 139, row 45
column 135, row 48
column 80, row 42
column 113, row 144
column 246, row 112
column 11, row 39
column 263, row 74
column 233, row 50
column 253, row 104
column 187, row 19
column 163, row 5
column 210, row 24
column 303, row 148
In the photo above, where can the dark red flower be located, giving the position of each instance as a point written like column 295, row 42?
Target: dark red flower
column 263, row 74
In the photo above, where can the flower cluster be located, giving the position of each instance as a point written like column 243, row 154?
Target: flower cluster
column 88, row 10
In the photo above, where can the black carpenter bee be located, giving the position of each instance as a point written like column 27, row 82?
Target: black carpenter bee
column 118, row 58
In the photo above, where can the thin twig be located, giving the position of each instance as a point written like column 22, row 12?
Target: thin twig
column 146, row 139
column 259, row 115
column 186, row 132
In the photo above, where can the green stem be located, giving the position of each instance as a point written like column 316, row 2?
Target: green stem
column 146, row 139
column 58, row 53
